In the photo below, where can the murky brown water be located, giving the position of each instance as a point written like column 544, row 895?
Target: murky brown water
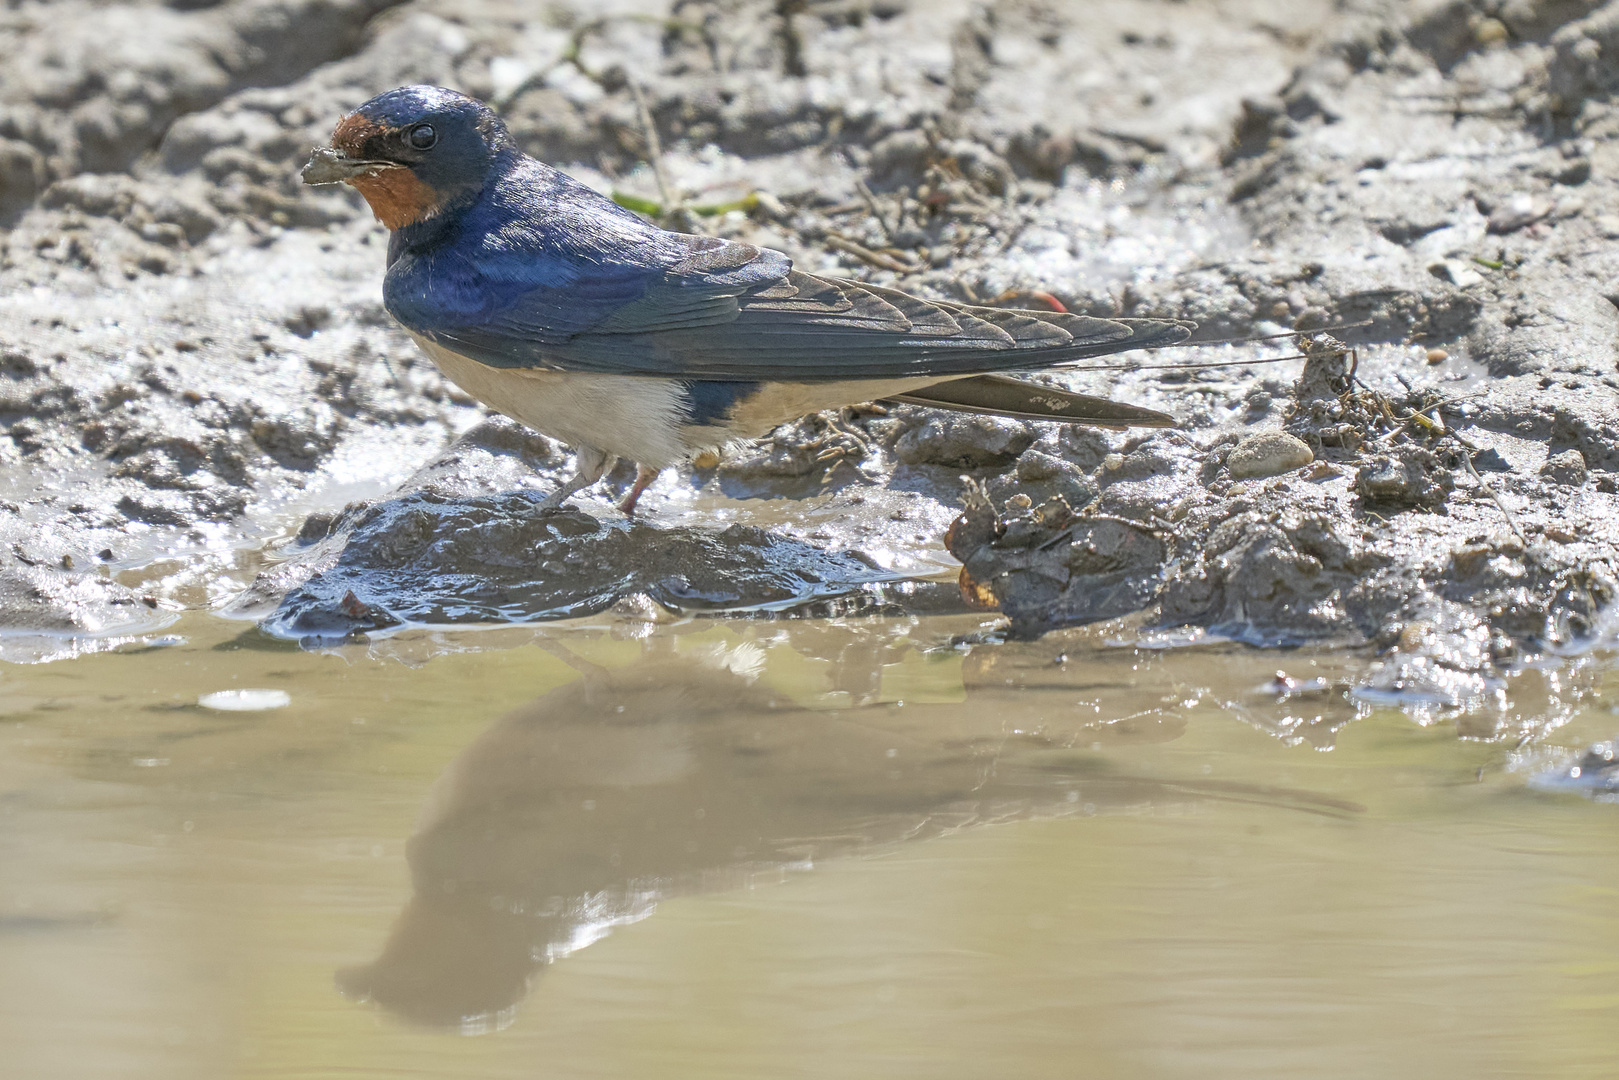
column 793, row 848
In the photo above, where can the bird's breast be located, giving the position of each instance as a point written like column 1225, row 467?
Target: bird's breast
column 633, row 417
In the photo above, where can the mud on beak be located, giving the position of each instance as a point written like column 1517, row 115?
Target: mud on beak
column 328, row 166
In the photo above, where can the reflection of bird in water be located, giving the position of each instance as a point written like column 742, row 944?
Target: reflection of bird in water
column 680, row 772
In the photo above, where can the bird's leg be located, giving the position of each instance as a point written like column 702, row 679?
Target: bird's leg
column 643, row 477
column 589, row 464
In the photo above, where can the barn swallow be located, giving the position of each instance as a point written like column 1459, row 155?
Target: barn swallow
column 556, row 306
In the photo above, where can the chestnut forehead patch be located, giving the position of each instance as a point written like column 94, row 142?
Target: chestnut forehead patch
column 353, row 132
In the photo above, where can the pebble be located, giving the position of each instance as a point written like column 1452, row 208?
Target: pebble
column 1268, row 453
column 1489, row 31
column 1437, row 356
column 1575, row 172
column 1565, row 468
column 1457, row 272
column 1517, row 212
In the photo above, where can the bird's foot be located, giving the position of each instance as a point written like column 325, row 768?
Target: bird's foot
column 643, row 477
column 589, row 466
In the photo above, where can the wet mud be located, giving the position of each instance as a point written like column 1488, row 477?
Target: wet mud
column 438, row 553
column 194, row 359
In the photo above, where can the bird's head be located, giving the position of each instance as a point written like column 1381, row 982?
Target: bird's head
column 413, row 152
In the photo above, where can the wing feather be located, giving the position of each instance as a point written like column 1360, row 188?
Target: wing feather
column 706, row 308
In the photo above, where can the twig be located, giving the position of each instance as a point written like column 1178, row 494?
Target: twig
column 865, row 254
column 654, row 146
column 1467, row 459
column 876, row 210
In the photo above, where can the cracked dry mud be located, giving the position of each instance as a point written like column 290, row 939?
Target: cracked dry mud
column 195, row 363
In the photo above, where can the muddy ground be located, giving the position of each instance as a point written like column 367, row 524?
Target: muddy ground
column 195, row 363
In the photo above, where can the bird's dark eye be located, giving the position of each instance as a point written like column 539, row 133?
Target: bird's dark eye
column 422, row 137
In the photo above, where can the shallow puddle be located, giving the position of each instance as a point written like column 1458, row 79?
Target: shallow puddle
column 779, row 848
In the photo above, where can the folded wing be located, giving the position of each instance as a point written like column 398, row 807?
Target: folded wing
column 728, row 311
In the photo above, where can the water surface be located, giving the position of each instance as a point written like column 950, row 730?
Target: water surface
column 838, row 847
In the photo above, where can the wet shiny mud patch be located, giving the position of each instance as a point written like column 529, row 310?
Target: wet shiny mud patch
column 426, row 559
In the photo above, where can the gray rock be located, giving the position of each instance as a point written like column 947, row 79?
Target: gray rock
column 1565, row 468
column 1269, row 453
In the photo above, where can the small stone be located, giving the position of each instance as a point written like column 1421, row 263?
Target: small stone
column 1268, row 453
column 1575, row 172
column 1566, row 468
column 766, row 205
column 708, row 459
column 1457, row 272
column 1325, row 470
column 1518, row 211
column 1437, row 356
column 1489, row 31
column 1113, row 462
column 1608, row 225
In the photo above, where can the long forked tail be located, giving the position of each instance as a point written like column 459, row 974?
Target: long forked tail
column 1001, row 395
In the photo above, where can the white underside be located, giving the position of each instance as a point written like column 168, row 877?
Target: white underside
column 639, row 418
